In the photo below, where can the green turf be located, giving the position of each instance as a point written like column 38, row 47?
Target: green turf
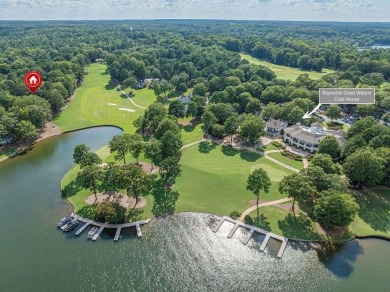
column 214, row 179
column 293, row 163
column 143, row 97
column 91, row 106
column 282, row 222
column 374, row 213
column 284, row 72
column 269, row 147
column 191, row 132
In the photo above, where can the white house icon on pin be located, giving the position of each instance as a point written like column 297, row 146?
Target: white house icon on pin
column 33, row 80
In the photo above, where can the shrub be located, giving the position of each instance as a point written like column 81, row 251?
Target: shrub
column 299, row 158
column 234, row 214
column 285, row 153
column 248, row 220
column 109, row 212
column 277, row 144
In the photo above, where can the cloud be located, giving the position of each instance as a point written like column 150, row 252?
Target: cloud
column 229, row 9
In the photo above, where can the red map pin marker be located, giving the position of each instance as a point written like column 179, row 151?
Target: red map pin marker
column 33, row 80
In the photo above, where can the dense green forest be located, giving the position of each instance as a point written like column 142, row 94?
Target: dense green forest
column 197, row 55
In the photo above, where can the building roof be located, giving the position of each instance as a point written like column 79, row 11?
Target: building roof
column 276, row 123
column 317, row 125
column 313, row 134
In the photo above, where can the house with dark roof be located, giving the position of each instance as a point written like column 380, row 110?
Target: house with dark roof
column 274, row 127
column 309, row 138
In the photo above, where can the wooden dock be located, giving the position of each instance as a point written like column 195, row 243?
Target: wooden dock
column 78, row 232
column 139, row 232
column 98, row 233
column 265, row 242
column 252, row 229
column 215, row 229
column 248, row 237
column 102, row 226
column 117, row 234
column 282, row 248
column 235, row 227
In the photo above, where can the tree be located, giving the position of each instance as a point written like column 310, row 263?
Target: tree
column 153, row 152
column 325, row 162
column 79, row 153
column 253, row 106
column 365, row 110
column 353, row 144
column 270, row 111
column 217, row 131
column 167, row 124
column 134, row 180
column 170, row 145
column 208, row 120
column 90, row 158
column 297, row 187
column 295, row 115
column 364, row 167
column 111, row 178
column 335, row 210
column 170, row 170
column 26, row 131
column 110, row 212
column 251, row 129
column 90, row 178
column 177, row 109
column 330, row 146
column 121, row 145
column 192, row 110
column 200, row 89
column 258, row 180
column 231, row 127
column 136, row 146
column 333, row 112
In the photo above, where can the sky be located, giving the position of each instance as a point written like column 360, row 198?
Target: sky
column 306, row 10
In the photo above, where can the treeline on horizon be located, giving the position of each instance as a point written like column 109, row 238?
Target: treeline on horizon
column 186, row 54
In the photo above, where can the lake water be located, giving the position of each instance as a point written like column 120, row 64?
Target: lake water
column 177, row 253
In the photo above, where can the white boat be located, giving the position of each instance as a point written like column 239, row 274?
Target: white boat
column 92, row 232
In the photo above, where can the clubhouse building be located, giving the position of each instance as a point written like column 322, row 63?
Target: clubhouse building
column 309, row 139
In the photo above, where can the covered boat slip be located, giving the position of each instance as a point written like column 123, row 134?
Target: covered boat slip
column 252, row 229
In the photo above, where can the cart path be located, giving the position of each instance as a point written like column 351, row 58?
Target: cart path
column 129, row 98
column 253, row 208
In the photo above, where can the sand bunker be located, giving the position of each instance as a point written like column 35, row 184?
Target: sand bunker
column 111, row 103
column 126, row 109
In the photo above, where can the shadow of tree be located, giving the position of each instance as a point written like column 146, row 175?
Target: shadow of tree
column 249, row 156
column 229, row 151
column 135, row 215
column 110, row 86
column 71, row 189
column 298, row 227
column 339, row 258
column 206, row 147
column 164, row 199
column 262, row 222
column 188, row 128
column 374, row 209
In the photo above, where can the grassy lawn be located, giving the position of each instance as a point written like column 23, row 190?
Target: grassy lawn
column 214, row 179
column 269, row 147
column 374, row 213
column 345, row 127
column 293, row 163
column 97, row 103
column 191, row 132
column 143, row 97
column 282, row 222
column 284, row 72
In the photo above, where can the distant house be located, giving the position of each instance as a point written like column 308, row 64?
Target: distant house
column 186, row 99
column 274, row 127
column 6, row 140
column 309, row 138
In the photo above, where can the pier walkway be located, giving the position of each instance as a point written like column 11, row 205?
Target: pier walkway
column 103, row 226
column 252, row 229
